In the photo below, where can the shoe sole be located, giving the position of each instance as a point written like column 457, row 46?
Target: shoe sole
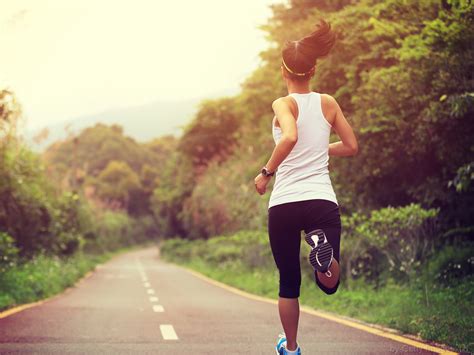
column 321, row 254
column 277, row 352
column 276, row 347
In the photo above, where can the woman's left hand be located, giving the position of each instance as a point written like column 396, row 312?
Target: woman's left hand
column 261, row 183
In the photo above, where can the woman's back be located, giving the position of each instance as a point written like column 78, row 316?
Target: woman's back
column 304, row 173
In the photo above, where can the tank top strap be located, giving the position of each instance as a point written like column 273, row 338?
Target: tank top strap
column 319, row 107
column 302, row 103
column 310, row 104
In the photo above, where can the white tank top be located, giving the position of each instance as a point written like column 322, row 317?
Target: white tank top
column 304, row 174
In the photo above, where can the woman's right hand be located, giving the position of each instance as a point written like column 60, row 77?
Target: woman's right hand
column 261, row 183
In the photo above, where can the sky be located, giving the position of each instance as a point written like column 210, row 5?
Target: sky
column 66, row 58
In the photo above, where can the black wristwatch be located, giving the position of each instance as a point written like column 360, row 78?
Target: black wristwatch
column 266, row 172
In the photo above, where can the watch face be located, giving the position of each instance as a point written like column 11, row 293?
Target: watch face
column 265, row 172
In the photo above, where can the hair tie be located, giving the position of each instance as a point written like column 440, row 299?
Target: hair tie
column 292, row 72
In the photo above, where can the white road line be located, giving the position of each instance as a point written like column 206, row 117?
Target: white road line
column 168, row 333
column 146, row 284
column 150, row 291
column 158, row 308
column 153, row 299
column 141, row 270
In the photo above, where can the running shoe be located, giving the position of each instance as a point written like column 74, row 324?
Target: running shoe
column 281, row 345
column 321, row 254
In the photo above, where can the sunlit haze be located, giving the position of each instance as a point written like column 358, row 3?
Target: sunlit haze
column 69, row 58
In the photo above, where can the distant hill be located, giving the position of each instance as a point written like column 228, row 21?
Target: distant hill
column 142, row 123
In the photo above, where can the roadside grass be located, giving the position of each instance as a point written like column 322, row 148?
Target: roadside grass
column 45, row 276
column 432, row 312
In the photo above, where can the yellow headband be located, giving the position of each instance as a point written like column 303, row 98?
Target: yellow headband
column 291, row 71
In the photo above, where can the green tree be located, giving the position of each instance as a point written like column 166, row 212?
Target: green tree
column 117, row 182
column 210, row 134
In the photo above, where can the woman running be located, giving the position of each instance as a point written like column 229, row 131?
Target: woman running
column 302, row 196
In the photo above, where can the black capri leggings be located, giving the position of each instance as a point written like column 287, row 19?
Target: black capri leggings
column 285, row 222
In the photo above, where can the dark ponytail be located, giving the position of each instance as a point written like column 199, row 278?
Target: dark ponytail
column 299, row 57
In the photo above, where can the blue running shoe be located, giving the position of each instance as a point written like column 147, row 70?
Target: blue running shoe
column 281, row 346
column 321, row 254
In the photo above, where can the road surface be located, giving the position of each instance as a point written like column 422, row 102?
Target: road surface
column 138, row 304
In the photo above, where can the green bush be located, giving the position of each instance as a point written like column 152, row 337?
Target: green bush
column 27, row 201
column 394, row 241
column 405, row 235
column 72, row 220
column 8, row 252
column 37, row 214
column 249, row 249
column 177, row 249
column 144, row 228
column 451, row 265
column 42, row 276
column 113, row 229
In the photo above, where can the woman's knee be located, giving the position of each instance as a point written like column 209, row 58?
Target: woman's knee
column 290, row 283
column 289, row 291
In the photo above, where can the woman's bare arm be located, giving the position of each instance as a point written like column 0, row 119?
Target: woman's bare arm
column 289, row 137
column 348, row 145
column 287, row 121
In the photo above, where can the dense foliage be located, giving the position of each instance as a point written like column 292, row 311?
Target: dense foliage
column 402, row 73
column 110, row 166
column 39, row 216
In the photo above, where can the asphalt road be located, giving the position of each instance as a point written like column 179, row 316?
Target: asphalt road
column 138, row 304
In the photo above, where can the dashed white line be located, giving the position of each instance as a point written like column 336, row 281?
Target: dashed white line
column 158, row 308
column 167, row 332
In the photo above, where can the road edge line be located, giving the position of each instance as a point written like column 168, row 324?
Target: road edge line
column 338, row 319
